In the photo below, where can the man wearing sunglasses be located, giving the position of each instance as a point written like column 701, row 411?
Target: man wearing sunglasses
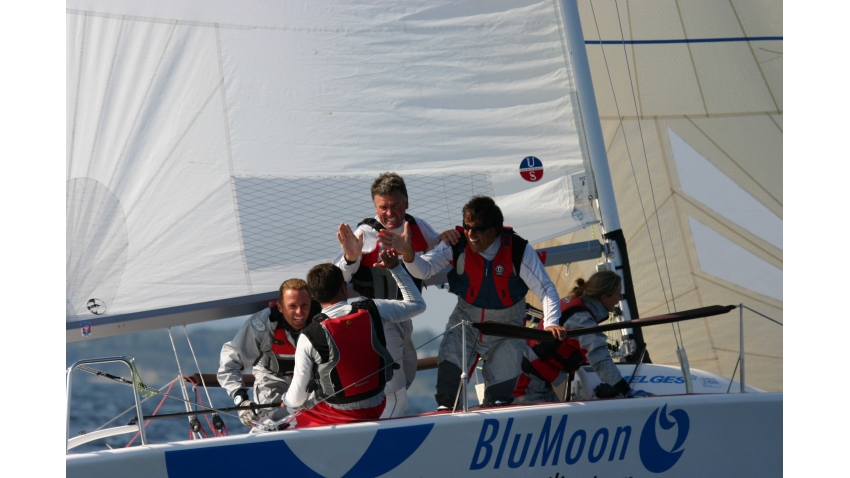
column 492, row 270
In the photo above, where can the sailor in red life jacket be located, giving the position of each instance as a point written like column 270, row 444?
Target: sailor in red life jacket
column 267, row 342
column 546, row 364
column 492, row 269
column 342, row 354
column 360, row 249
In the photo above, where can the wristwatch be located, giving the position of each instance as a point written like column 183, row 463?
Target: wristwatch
column 238, row 399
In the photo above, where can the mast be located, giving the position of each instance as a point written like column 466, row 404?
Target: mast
column 606, row 200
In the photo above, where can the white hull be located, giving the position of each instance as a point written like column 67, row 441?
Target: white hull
column 714, row 435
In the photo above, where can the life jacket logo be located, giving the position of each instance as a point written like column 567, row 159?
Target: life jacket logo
column 655, row 458
column 500, row 270
column 567, row 300
column 531, row 169
column 85, row 328
column 258, row 324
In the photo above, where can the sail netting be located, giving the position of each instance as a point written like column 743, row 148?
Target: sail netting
column 213, row 147
column 690, row 98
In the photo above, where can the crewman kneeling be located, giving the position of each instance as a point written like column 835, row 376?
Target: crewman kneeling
column 545, row 364
column 342, row 355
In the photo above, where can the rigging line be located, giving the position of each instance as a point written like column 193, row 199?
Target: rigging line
column 132, row 407
column 146, row 423
column 675, row 326
column 631, row 162
column 646, row 162
column 203, row 383
column 759, row 313
column 182, row 382
column 144, row 387
column 732, row 379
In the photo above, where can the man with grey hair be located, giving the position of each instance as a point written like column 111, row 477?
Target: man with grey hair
column 360, row 253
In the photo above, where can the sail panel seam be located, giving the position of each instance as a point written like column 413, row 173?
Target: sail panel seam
column 755, row 59
column 727, row 226
column 161, row 168
column 683, row 40
column 404, row 27
column 232, row 182
column 141, row 106
column 693, row 63
column 735, row 290
column 747, row 173
column 665, row 160
column 749, row 353
column 77, row 99
column 166, row 280
column 123, row 151
column 745, row 114
column 78, row 225
column 179, row 220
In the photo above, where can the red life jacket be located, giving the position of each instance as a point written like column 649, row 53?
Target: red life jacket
column 489, row 284
column 363, row 280
column 283, row 351
column 354, row 359
column 283, row 344
column 556, row 355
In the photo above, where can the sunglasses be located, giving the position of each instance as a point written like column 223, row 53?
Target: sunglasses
column 475, row 229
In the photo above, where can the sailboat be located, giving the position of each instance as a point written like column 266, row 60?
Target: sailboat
column 213, row 148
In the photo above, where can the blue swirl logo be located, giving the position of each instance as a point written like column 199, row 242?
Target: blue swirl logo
column 655, row 458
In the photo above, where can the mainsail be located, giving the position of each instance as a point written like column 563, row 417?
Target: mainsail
column 690, row 99
column 212, row 150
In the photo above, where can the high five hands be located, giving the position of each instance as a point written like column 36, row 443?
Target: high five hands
column 351, row 243
column 401, row 244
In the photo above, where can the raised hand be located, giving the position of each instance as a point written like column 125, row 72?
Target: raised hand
column 389, row 259
column 351, row 243
column 402, row 243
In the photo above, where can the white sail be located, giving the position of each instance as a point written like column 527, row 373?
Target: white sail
column 212, row 150
column 690, row 99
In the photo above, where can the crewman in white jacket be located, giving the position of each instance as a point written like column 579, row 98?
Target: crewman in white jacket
column 266, row 342
column 342, row 355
